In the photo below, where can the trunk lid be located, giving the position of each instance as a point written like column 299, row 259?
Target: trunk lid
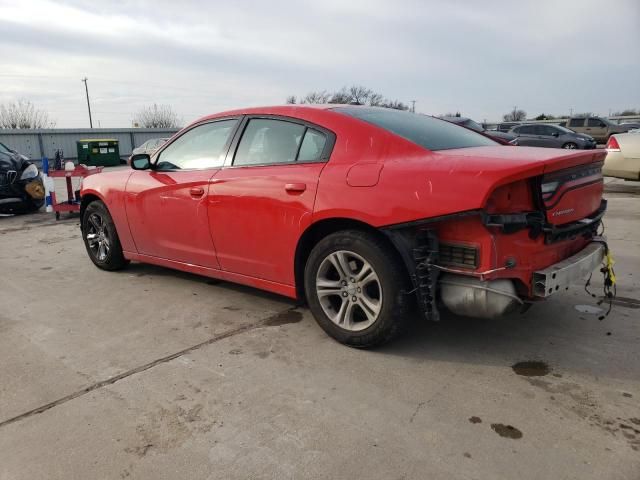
column 572, row 194
column 570, row 186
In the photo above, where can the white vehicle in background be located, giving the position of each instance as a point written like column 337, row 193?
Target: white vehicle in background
column 623, row 156
column 149, row 147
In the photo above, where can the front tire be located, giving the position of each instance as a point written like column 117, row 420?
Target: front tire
column 356, row 287
column 101, row 238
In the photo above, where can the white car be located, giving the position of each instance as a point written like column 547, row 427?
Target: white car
column 150, row 146
column 623, row 156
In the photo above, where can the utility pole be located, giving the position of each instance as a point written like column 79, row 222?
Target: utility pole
column 413, row 106
column 86, row 89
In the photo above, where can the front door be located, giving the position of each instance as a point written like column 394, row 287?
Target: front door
column 527, row 136
column 167, row 205
column 263, row 200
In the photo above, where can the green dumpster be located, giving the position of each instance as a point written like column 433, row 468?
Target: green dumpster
column 98, row 151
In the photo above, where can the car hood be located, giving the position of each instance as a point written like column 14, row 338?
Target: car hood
column 12, row 161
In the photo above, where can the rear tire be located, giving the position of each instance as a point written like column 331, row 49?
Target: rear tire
column 101, row 238
column 356, row 288
column 570, row 146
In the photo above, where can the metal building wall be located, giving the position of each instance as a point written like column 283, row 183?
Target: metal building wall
column 38, row 143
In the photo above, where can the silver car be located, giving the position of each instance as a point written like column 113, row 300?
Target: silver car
column 551, row 136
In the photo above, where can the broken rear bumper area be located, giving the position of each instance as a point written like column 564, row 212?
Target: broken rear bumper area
column 573, row 270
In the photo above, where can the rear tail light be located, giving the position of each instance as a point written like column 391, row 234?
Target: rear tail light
column 612, row 145
column 458, row 255
column 549, row 187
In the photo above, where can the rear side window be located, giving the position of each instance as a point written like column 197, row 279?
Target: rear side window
column 312, row 146
column 428, row 132
column 271, row 141
column 576, row 122
column 527, row 130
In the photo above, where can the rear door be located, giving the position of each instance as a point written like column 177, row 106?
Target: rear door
column 167, row 205
column 549, row 136
column 596, row 128
column 263, row 199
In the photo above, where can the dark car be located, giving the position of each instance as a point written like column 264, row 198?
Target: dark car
column 473, row 125
column 552, row 136
column 21, row 188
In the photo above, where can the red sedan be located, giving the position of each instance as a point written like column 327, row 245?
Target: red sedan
column 358, row 210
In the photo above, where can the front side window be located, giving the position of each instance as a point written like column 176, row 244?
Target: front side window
column 595, row 122
column 428, row 132
column 201, row 147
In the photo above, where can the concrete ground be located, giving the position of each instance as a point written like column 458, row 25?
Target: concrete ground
column 154, row 374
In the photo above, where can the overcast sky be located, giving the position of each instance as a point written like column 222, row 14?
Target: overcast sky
column 477, row 57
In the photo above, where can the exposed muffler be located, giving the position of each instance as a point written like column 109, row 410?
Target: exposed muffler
column 472, row 297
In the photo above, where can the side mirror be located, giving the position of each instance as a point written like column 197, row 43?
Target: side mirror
column 602, row 125
column 555, row 134
column 141, row 161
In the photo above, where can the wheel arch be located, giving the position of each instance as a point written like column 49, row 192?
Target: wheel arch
column 86, row 199
column 319, row 230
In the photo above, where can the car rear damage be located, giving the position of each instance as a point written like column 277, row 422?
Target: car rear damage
column 532, row 237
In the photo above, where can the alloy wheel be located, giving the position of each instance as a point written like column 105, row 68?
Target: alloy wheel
column 349, row 290
column 98, row 237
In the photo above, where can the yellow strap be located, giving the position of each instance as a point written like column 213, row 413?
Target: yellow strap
column 610, row 262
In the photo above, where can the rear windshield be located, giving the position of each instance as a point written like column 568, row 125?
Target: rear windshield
column 428, row 132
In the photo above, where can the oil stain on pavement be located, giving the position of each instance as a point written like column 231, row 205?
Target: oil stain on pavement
column 531, row 368
column 283, row 318
column 506, row 431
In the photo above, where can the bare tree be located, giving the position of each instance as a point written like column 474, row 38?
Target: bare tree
column 316, row 97
column 515, row 115
column 354, row 95
column 628, row 111
column 376, row 99
column 23, row 114
column 291, row 99
column 395, row 104
column 156, row 116
column 341, row 96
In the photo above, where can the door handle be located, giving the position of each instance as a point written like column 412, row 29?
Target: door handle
column 196, row 191
column 295, row 187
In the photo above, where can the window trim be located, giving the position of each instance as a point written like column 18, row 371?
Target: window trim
column 225, row 150
column 324, row 157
